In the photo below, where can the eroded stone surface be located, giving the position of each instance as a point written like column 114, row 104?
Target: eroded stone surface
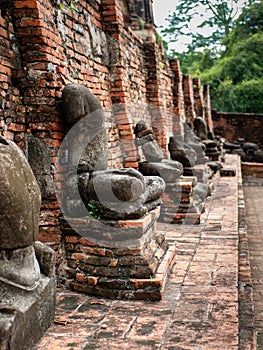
column 20, row 198
column 27, row 280
column 39, row 158
column 123, row 193
column 181, row 153
column 87, row 140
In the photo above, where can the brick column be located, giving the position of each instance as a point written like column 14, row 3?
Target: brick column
column 12, row 110
column 188, row 98
column 40, row 80
column 207, row 108
column 178, row 98
column 198, row 98
column 113, row 20
column 154, row 94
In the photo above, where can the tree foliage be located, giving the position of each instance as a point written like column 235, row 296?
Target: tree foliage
column 234, row 74
column 215, row 16
column 236, row 77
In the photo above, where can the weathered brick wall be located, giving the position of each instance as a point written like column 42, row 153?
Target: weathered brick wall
column 198, row 98
column 45, row 44
column 178, row 97
column 190, row 113
column 12, row 110
column 232, row 126
column 207, row 107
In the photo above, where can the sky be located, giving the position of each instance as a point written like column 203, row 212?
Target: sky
column 161, row 10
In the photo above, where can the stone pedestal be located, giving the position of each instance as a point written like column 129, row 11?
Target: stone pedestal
column 202, row 172
column 124, row 259
column 178, row 206
column 26, row 314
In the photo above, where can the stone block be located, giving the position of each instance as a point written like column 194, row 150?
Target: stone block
column 24, row 315
column 227, row 172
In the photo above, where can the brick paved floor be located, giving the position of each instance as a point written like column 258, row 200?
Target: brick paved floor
column 254, row 205
column 199, row 310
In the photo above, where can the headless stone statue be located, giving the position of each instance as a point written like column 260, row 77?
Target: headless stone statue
column 88, row 144
column 124, row 193
column 19, row 207
column 145, row 138
column 35, row 150
column 27, row 267
column 85, row 145
column 181, row 152
column 116, row 194
column 155, row 165
column 200, row 128
column 193, row 141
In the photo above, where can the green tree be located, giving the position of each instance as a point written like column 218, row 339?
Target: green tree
column 236, row 77
column 248, row 23
column 235, row 73
column 215, row 15
column 243, row 97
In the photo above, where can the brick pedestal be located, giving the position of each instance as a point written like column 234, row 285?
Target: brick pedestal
column 178, row 206
column 125, row 259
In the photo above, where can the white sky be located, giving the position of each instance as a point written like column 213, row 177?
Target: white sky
column 161, row 10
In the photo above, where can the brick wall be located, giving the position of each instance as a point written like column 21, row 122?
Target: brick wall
column 189, row 103
column 45, row 44
column 237, row 125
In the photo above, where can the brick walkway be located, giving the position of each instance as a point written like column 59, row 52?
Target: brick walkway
column 199, row 310
column 254, row 204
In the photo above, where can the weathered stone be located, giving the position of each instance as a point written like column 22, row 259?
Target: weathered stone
column 209, row 144
column 20, row 198
column 122, row 193
column 87, row 139
column 177, row 151
column 227, row 172
column 215, row 166
column 39, row 158
column 202, row 190
column 153, row 204
column 165, row 170
column 249, row 146
column 145, row 138
column 193, row 141
column 140, row 127
column 46, row 258
column 199, row 148
column 25, row 317
column 116, row 185
column 155, row 187
column 115, row 211
column 28, row 283
column 85, row 146
column 258, row 156
column 19, row 267
column 200, row 128
column 152, row 151
column 79, row 102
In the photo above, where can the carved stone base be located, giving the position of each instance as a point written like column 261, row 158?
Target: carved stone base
column 25, row 314
column 124, row 259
